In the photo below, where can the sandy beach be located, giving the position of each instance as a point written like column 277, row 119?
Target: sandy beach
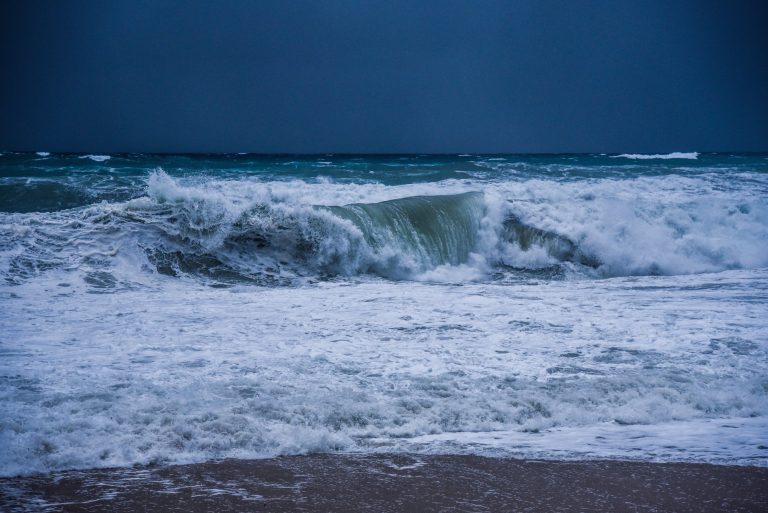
column 396, row 483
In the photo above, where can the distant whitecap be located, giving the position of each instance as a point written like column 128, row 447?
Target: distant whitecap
column 96, row 158
column 674, row 155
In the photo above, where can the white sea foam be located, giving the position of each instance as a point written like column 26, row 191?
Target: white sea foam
column 180, row 372
column 42, row 153
column 665, row 441
column 674, row 155
column 659, row 225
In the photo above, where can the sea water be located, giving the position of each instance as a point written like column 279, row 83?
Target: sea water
column 169, row 309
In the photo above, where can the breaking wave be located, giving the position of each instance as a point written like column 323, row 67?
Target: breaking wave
column 400, row 238
column 270, row 234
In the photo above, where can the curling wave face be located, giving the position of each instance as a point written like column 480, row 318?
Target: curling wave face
column 265, row 237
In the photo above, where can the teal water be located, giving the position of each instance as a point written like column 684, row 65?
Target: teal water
column 30, row 182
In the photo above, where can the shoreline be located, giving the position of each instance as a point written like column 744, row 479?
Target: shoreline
column 395, row 482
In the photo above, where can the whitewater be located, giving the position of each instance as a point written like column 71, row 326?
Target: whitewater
column 173, row 309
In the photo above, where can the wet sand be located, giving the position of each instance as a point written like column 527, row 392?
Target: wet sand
column 389, row 483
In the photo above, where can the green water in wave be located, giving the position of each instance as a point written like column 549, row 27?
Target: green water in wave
column 436, row 230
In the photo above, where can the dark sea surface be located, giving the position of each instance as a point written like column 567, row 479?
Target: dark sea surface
column 187, row 308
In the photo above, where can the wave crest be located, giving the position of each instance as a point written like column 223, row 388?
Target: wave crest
column 254, row 231
column 398, row 239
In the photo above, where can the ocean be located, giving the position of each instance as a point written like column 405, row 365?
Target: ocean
column 164, row 309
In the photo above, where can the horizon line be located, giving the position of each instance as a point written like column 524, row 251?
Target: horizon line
column 374, row 154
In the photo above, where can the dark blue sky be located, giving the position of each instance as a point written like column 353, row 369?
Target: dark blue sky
column 384, row 76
